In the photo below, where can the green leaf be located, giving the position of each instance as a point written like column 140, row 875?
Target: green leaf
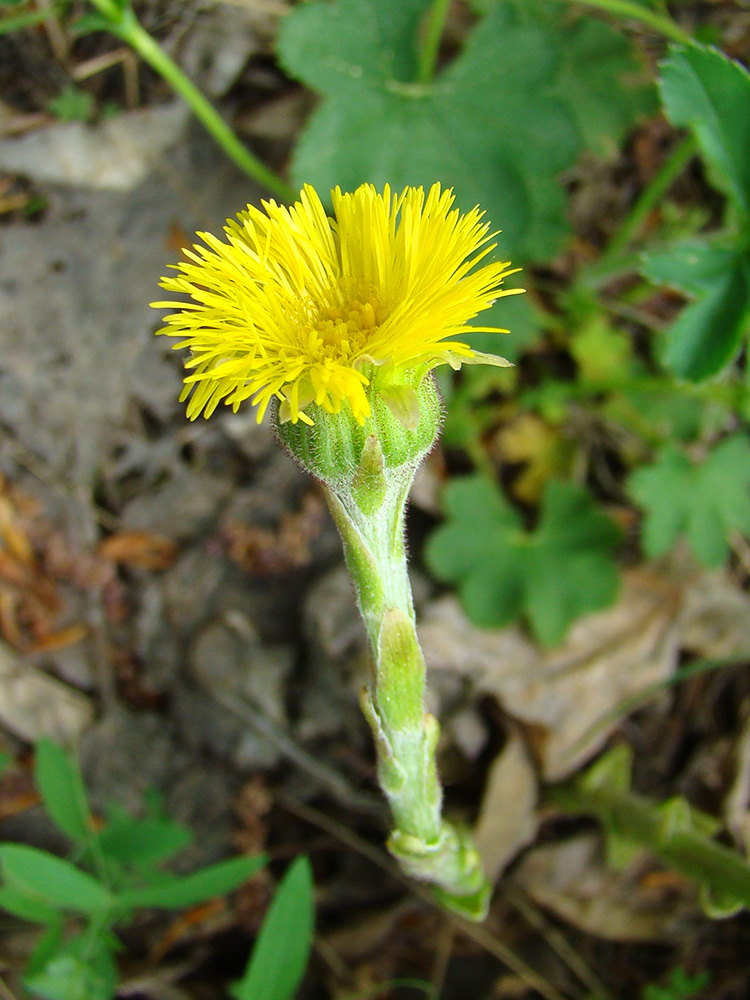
column 656, row 411
column 188, row 890
column 602, row 83
column 73, row 105
column 707, row 334
column 703, row 501
column 603, row 354
column 48, row 879
column 680, row 986
column 498, row 124
column 5, row 762
column 61, row 787
column 143, row 842
column 693, row 266
column 705, row 91
column 27, row 907
column 552, row 575
column 282, row 949
column 82, row 968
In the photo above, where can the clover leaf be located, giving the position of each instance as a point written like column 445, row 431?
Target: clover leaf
column 551, row 575
column 703, row 501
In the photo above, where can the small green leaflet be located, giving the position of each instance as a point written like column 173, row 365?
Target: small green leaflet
column 703, row 501
column 61, row 787
column 28, row 871
column 551, row 575
column 498, row 125
column 81, row 968
column 141, row 843
column 679, row 986
column 282, row 949
column 177, row 892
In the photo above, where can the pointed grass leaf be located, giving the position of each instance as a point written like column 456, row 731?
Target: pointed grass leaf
column 189, row 890
column 552, row 575
column 703, row 502
column 51, row 880
column 709, row 93
column 282, row 949
column 61, row 787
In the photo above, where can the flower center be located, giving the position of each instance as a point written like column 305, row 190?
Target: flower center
column 341, row 332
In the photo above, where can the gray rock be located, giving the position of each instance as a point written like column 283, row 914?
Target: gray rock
column 191, row 587
column 125, row 754
column 187, row 507
column 228, row 662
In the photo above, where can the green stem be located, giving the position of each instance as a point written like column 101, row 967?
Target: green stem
column 611, row 263
column 426, row 846
column 124, row 24
column 367, row 470
column 639, row 820
column 19, row 21
column 634, row 11
column 430, row 43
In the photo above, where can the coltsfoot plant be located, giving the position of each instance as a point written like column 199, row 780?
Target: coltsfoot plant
column 334, row 326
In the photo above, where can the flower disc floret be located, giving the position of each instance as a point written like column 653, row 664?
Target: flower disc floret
column 295, row 306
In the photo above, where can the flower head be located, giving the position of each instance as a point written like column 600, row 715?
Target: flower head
column 307, row 309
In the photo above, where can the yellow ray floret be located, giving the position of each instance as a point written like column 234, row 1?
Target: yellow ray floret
column 304, row 308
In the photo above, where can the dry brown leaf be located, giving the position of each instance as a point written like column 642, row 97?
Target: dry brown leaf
column 507, row 817
column 267, row 552
column 17, row 791
column 570, row 879
column 141, row 549
column 60, row 639
column 569, row 695
column 540, row 447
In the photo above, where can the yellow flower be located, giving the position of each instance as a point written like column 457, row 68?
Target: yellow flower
column 303, row 308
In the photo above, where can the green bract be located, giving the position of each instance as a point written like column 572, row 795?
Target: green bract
column 354, row 458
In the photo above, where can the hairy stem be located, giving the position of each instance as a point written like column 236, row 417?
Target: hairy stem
column 426, row 846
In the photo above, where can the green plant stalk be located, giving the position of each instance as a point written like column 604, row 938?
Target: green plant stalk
column 611, row 263
column 430, row 42
column 366, row 474
column 125, row 25
column 17, row 22
column 406, row 737
column 634, row 11
column 639, row 820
